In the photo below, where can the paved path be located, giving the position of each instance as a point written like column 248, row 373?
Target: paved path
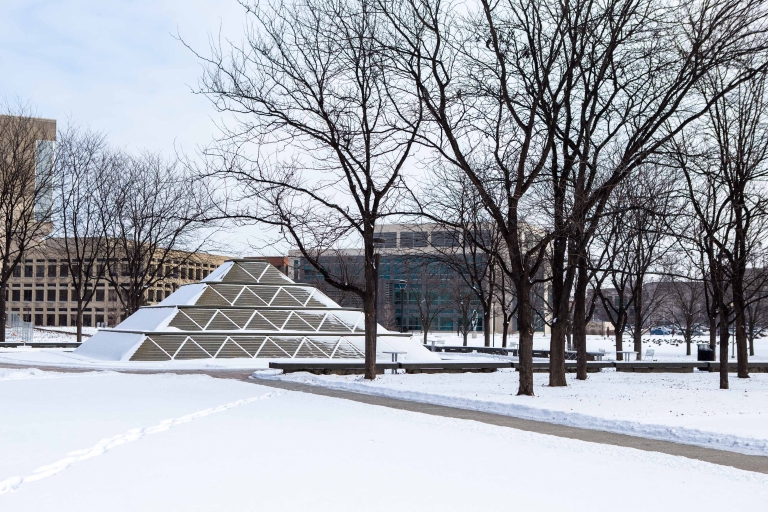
column 754, row 463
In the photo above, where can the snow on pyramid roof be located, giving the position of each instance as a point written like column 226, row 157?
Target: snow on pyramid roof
column 243, row 309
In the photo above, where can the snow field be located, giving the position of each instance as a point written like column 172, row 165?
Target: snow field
column 685, row 408
column 664, row 347
column 295, row 452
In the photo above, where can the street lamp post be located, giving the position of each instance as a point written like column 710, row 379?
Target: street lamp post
column 402, row 302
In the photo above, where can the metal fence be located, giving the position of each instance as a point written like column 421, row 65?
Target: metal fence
column 18, row 331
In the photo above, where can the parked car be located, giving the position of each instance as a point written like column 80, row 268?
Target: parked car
column 661, row 331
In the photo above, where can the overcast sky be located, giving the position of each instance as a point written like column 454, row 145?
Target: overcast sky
column 116, row 66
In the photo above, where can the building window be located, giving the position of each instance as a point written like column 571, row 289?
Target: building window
column 389, row 238
column 197, row 274
column 38, row 319
column 28, row 271
column 27, row 296
column 63, row 295
column 39, row 295
column 112, row 296
column 63, row 271
column 63, row 320
column 413, row 239
column 40, row 271
column 51, row 270
column 444, row 239
column 16, row 295
column 99, row 294
column 50, row 320
column 17, row 271
column 87, row 320
column 150, row 295
column 51, row 295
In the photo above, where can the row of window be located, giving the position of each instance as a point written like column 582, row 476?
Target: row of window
column 64, row 320
column 64, row 295
column 62, row 271
column 413, row 239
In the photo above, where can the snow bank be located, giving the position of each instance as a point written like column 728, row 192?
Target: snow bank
column 634, row 404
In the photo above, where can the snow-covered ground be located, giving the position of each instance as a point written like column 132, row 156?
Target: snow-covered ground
column 688, row 408
column 120, row 442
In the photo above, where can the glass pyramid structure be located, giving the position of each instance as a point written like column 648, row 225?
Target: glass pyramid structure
column 244, row 309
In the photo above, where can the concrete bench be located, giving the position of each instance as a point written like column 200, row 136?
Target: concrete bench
column 570, row 366
column 659, row 366
column 331, row 367
column 455, row 367
column 752, row 366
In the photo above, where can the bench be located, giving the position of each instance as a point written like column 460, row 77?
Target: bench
column 331, row 367
column 752, row 367
column 570, row 366
column 455, row 367
column 659, row 367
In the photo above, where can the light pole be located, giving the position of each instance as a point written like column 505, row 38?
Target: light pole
column 402, row 302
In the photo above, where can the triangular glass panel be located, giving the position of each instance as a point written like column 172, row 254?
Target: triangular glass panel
column 283, row 298
column 231, row 350
column 148, row 351
column 189, row 350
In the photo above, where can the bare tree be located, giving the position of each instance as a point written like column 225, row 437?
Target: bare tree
column 428, row 291
column 159, row 222
column 84, row 168
column 724, row 162
column 464, row 301
column 464, row 238
column 26, row 188
column 685, row 306
column 504, row 292
column 313, row 80
column 521, row 88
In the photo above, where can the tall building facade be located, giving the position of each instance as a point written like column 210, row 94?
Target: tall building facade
column 410, row 263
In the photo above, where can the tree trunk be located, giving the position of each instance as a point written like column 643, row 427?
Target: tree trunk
column 741, row 331
column 3, row 319
column 580, row 320
column 505, row 333
column 525, row 350
column 79, row 321
column 560, row 297
column 369, row 309
column 619, row 342
column 557, row 350
column 713, row 333
column 723, row 348
column 487, row 326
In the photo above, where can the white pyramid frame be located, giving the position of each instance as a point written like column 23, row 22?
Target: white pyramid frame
column 244, row 309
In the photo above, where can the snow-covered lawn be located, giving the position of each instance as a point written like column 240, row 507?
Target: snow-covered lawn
column 687, row 408
column 106, row 441
column 666, row 348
